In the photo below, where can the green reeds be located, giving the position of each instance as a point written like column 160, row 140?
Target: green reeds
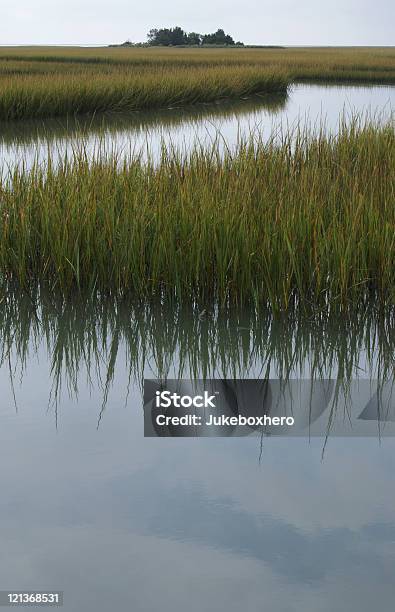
column 306, row 220
column 46, row 82
column 52, row 95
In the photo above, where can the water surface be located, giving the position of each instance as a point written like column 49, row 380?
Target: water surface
column 118, row 521
column 221, row 125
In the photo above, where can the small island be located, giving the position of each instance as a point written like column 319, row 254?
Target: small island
column 177, row 37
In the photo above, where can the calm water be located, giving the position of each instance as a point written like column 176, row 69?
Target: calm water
column 118, row 521
column 223, row 124
column 122, row 522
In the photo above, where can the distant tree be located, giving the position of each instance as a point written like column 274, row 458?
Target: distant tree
column 159, row 37
column 152, row 36
column 193, row 38
column 178, row 36
column 164, row 37
column 167, row 36
column 218, row 38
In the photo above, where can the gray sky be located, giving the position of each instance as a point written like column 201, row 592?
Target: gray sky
column 289, row 22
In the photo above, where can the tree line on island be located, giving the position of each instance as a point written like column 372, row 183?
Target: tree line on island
column 177, row 37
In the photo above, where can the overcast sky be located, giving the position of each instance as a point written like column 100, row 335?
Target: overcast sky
column 288, row 22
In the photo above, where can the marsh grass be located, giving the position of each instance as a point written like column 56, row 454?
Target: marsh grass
column 307, row 220
column 48, row 82
column 120, row 91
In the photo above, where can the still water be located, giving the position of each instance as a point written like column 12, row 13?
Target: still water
column 220, row 125
column 122, row 522
column 118, row 521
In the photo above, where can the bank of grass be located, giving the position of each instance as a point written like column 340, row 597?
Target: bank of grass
column 122, row 90
column 309, row 220
column 52, row 81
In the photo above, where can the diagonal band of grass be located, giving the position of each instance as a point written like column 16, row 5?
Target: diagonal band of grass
column 309, row 219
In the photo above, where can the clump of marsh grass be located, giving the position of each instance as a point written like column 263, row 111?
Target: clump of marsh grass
column 304, row 219
column 53, row 95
